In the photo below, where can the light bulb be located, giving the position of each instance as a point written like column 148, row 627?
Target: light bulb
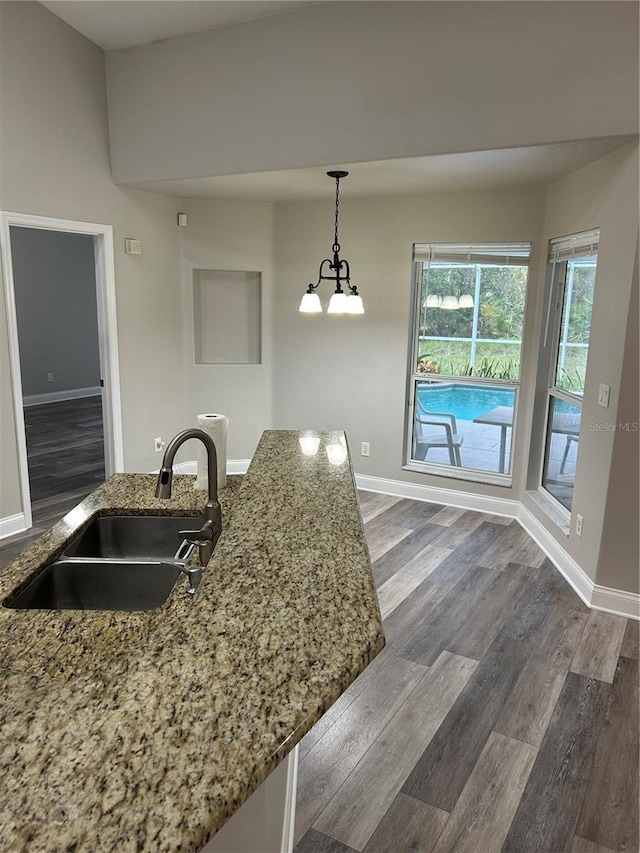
column 338, row 304
column 355, row 305
column 450, row 303
column 310, row 304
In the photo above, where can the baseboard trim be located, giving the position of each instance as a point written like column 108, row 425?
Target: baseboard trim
column 566, row 565
column 438, row 495
column 234, row 466
column 60, row 396
column 238, row 466
column 12, row 524
column 616, row 601
column 598, row 597
column 184, row 468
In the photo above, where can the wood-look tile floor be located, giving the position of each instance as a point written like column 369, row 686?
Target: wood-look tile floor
column 65, row 455
column 502, row 714
column 65, row 447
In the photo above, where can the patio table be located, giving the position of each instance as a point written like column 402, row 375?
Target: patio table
column 502, row 416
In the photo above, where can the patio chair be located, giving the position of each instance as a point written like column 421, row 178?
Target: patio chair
column 571, row 437
column 436, row 429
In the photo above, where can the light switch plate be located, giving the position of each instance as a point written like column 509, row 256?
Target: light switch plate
column 603, row 395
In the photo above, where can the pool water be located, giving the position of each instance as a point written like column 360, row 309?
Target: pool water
column 466, row 402
column 566, row 408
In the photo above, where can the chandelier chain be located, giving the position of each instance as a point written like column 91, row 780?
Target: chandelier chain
column 336, row 245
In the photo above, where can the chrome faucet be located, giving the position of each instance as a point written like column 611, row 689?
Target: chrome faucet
column 208, row 535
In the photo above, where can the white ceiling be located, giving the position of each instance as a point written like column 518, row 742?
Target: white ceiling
column 125, row 23
column 114, row 24
column 443, row 173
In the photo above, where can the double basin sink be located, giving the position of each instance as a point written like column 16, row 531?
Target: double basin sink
column 117, row 563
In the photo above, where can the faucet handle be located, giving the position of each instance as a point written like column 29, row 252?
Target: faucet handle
column 192, row 573
column 197, row 537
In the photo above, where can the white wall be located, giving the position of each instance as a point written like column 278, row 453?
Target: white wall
column 335, row 372
column 55, row 162
column 605, row 195
column 618, row 562
column 229, row 235
column 355, row 81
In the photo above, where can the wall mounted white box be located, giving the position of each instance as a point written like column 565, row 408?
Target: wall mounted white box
column 132, row 247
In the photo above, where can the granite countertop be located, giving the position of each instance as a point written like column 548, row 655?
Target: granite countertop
column 146, row 731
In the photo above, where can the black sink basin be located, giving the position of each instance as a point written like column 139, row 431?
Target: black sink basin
column 151, row 537
column 98, row 585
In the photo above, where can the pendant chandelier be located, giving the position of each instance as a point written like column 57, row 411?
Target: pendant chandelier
column 449, row 303
column 337, row 271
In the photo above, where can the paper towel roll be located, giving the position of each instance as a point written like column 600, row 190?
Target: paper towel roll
column 215, row 426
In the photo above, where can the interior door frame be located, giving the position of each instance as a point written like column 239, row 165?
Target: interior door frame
column 107, row 338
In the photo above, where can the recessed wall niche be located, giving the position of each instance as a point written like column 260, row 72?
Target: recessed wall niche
column 227, row 317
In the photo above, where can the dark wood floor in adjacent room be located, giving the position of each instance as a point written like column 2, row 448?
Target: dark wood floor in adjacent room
column 65, row 447
column 501, row 716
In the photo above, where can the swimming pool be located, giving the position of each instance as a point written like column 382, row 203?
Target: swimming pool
column 464, row 401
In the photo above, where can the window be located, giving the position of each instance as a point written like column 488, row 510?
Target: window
column 464, row 362
column 573, row 262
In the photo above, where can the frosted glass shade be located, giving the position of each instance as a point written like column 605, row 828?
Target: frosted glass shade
column 450, row 303
column 355, row 305
column 310, row 304
column 466, row 301
column 433, row 301
column 338, row 304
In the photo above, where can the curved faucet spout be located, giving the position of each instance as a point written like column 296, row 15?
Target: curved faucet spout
column 212, row 513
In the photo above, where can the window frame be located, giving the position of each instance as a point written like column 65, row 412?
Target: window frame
column 463, row 473
column 552, row 343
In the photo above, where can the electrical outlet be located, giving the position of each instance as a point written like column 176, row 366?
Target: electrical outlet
column 579, row 525
column 364, row 448
column 158, row 444
column 49, row 377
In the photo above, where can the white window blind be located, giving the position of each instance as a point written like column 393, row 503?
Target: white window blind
column 501, row 254
column 574, row 246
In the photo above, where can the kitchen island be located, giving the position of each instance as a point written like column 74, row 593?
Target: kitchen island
column 147, row 731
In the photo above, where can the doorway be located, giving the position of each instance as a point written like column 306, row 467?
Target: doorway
column 60, row 295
